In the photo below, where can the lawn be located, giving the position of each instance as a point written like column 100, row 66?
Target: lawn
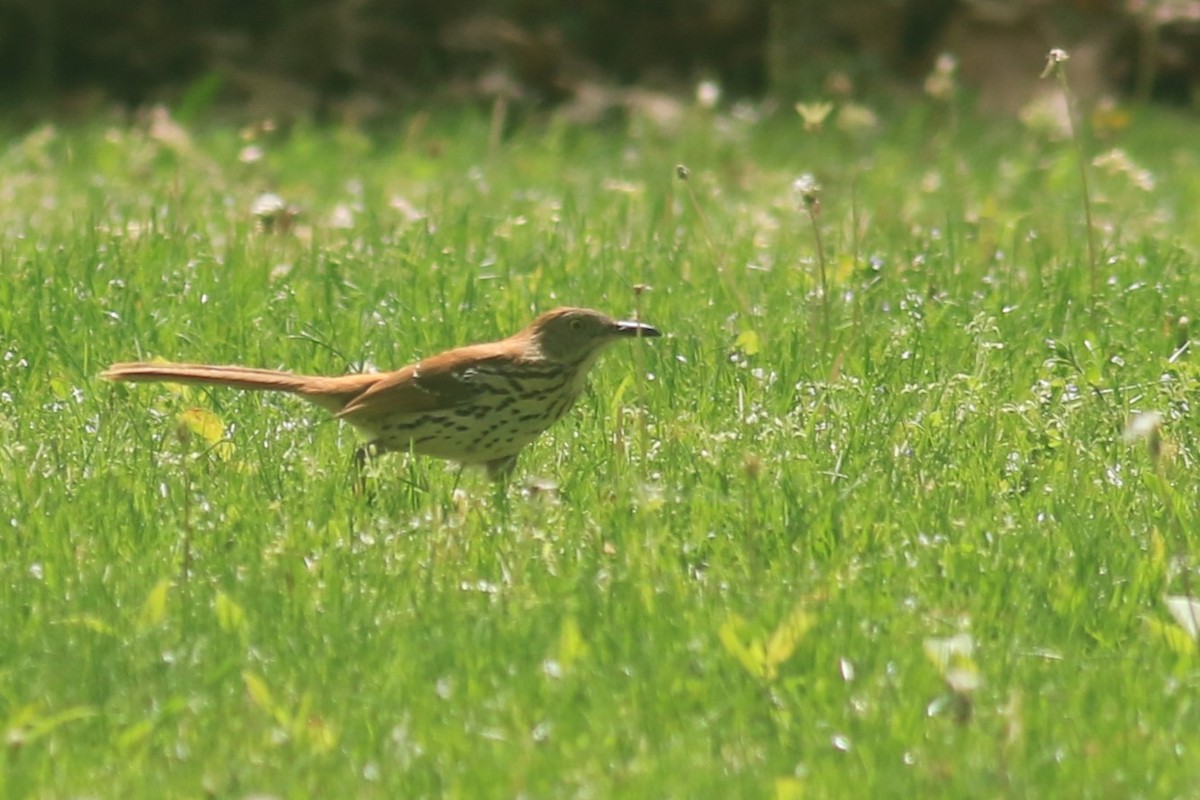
column 897, row 538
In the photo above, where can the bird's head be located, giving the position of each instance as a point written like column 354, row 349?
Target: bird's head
column 577, row 335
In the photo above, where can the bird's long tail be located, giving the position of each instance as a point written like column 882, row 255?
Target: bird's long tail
column 329, row 393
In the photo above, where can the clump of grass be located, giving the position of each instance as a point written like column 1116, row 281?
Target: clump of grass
column 768, row 597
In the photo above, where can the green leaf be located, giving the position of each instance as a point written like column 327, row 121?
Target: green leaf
column 154, row 608
column 748, row 342
column 230, row 616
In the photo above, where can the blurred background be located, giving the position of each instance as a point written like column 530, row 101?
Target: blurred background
column 347, row 60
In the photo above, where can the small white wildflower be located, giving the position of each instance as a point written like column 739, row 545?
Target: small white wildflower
column 708, row 94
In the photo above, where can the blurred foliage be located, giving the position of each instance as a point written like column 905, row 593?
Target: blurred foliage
column 314, row 56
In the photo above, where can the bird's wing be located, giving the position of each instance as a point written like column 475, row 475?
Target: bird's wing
column 435, row 384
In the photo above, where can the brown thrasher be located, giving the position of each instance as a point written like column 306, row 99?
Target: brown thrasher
column 478, row 404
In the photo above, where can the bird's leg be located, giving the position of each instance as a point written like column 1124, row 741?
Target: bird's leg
column 501, row 469
column 457, row 477
column 363, row 454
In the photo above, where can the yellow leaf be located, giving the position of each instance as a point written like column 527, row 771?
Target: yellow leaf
column 1158, row 550
column 91, row 622
column 230, row 615
column 784, row 639
column 1110, row 119
column 789, row 788
column 844, row 269
column 751, row 656
column 747, row 341
column 22, row 717
column 813, row 114
column 60, row 388
column 209, row 427
column 29, row 727
column 181, row 389
column 256, row 687
column 205, row 424
column 1173, row 636
column 614, row 403
column 320, row 736
column 952, row 652
column 134, row 734
column 647, row 592
column 571, row 646
column 154, row 609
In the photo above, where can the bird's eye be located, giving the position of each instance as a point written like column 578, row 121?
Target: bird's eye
column 576, row 324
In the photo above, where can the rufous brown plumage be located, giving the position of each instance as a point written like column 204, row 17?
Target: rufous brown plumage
column 481, row 403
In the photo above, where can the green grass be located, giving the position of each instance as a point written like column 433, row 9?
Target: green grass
column 757, row 529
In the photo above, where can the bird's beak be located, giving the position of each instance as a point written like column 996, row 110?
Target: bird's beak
column 635, row 329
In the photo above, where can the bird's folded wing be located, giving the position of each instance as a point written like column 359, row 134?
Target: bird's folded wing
column 423, row 387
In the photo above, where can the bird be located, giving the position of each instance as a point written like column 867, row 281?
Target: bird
column 476, row 404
